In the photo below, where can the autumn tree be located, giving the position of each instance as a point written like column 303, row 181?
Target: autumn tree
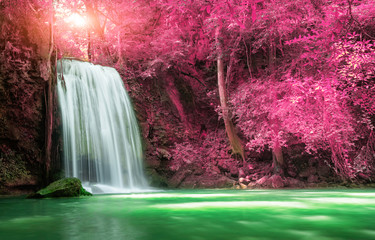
column 304, row 96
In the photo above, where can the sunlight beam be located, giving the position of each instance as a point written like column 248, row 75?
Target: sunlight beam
column 77, row 20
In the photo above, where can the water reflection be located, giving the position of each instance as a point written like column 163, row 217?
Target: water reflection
column 233, row 204
column 219, row 215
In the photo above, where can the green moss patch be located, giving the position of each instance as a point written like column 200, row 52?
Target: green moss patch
column 66, row 187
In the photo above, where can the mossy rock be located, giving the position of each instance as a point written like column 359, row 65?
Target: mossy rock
column 66, row 187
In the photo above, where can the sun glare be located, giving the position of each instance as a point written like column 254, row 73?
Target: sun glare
column 76, row 19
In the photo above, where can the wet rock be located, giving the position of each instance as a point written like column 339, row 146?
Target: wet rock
column 153, row 162
column 66, row 187
column 177, row 179
column 155, row 179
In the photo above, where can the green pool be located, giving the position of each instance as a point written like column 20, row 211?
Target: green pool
column 195, row 215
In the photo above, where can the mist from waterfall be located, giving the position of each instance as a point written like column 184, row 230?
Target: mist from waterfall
column 102, row 144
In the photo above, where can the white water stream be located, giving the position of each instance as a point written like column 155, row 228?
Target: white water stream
column 102, row 145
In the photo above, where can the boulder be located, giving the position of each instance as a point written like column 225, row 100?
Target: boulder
column 294, row 183
column 276, row 181
column 252, row 185
column 245, row 181
column 262, row 180
column 66, row 187
column 242, row 186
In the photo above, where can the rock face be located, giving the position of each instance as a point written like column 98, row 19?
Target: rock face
column 66, row 187
column 23, row 75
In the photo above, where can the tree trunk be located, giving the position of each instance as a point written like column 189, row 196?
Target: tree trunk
column 49, row 101
column 175, row 97
column 234, row 140
column 277, row 152
column 277, row 159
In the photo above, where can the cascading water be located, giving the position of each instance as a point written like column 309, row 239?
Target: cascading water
column 102, row 145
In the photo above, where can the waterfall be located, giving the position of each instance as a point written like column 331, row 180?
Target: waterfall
column 102, row 145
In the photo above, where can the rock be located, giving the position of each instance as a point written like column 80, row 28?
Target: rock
column 177, row 179
column 276, row 181
column 214, row 170
column 323, row 185
column 312, row 179
column 307, row 172
column 163, row 154
column 251, row 185
column 234, row 171
column 324, row 170
column 66, row 187
column 155, row 179
column 295, row 183
column 241, row 173
column 253, row 177
column 207, row 181
column 153, row 162
column 292, row 172
column 261, row 181
column 244, row 180
column 243, row 186
column 223, row 166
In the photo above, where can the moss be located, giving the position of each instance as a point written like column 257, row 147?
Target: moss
column 12, row 167
column 83, row 192
column 66, row 187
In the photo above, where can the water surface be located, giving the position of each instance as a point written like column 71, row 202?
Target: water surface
column 195, row 215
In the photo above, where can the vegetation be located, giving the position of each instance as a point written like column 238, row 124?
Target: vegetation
column 12, row 167
column 286, row 78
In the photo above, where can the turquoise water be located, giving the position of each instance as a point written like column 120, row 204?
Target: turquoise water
column 195, row 215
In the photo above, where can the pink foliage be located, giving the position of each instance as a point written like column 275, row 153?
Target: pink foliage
column 206, row 154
